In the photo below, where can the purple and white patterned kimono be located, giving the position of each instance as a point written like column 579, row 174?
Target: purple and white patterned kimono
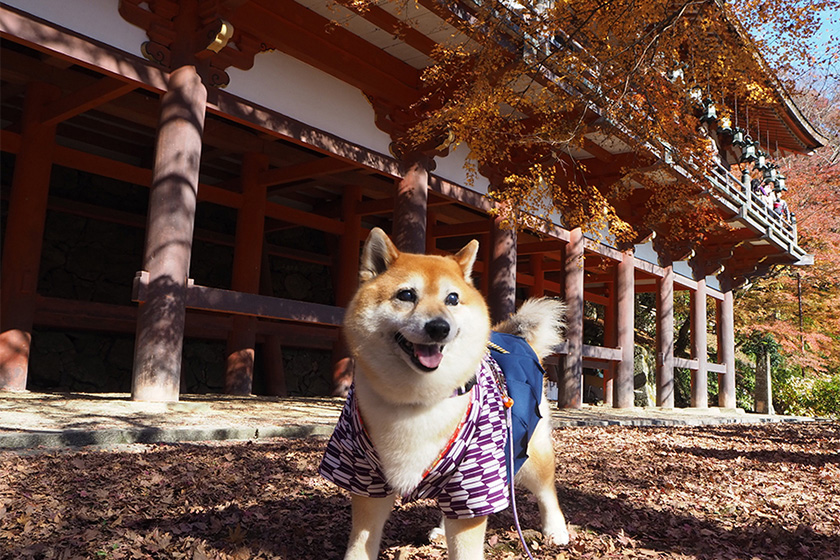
column 469, row 479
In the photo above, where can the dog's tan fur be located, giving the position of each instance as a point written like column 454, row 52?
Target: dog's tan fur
column 410, row 413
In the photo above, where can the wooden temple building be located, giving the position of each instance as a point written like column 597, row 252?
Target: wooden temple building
column 230, row 122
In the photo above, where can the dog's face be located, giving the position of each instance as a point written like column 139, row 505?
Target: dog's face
column 417, row 327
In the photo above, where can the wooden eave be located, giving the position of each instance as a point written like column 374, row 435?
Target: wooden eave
column 288, row 26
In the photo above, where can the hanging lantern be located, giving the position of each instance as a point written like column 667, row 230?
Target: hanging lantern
column 748, row 153
column 761, row 160
column 746, row 180
column 780, row 183
column 769, row 173
column 724, row 126
column 709, row 111
column 738, row 137
column 695, row 94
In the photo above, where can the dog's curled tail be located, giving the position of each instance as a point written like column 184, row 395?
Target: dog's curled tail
column 539, row 321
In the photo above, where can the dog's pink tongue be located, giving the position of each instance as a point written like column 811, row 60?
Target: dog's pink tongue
column 428, row 354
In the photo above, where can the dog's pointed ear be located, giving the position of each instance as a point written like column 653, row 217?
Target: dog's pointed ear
column 378, row 254
column 466, row 258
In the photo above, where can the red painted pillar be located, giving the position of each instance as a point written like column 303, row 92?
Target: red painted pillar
column 431, row 236
column 699, row 347
column 410, row 206
column 24, row 237
column 247, row 259
column 625, row 292
column 665, row 338
column 275, row 374
column 502, row 288
column 538, row 289
column 169, row 232
column 726, row 345
column 570, row 387
column 348, row 280
column 611, row 341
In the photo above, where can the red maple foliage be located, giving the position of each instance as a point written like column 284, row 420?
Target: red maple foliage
column 800, row 306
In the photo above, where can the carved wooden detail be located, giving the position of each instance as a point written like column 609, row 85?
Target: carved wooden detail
column 211, row 43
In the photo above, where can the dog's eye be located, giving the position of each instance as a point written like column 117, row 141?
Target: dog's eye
column 407, row 295
column 452, row 299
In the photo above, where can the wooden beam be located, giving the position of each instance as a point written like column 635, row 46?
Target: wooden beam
column 306, row 219
column 82, row 100
column 685, row 363
column 239, row 303
column 469, row 228
column 9, row 141
column 105, row 167
column 266, row 120
column 546, row 246
column 307, row 170
column 602, row 353
column 393, row 25
column 84, row 315
column 595, row 298
column 374, row 207
column 601, row 153
column 49, row 38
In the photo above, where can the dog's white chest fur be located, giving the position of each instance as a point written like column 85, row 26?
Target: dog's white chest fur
column 408, row 438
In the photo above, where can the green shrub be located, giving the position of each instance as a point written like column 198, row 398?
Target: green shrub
column 824, row 397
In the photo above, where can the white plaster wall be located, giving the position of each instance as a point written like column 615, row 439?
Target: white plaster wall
column 97, row 19
column 681, row 267
column 646, row 253
column 286, row 85
column 713, row 282
column 452, row 168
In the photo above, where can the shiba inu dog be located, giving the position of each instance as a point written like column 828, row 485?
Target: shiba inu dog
column 426, row 415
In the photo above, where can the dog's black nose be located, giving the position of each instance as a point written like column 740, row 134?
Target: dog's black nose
column 437, row 329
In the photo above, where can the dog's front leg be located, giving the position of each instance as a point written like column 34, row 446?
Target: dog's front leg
column 369, row 516
column 465, row 538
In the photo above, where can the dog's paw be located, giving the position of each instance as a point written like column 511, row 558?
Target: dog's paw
column 437, row 535
column 557, row 536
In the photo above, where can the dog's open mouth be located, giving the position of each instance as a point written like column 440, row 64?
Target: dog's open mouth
column 427, row 357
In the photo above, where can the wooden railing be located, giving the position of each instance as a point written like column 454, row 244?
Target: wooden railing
column 739, row 198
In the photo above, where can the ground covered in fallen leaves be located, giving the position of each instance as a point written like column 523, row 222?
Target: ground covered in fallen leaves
column 732, row 492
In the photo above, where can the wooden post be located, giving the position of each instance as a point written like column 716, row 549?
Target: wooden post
column 485, row 250
column 665, row 338
column 726, row 344
column 431, row 237
column 410, row 206
column 610, row 340
column 502, row 289
column 538, row 289
column 24, row 237
column 699, row 347
column 247, row 260
column 272, row 350
column 348, row 280
column 570, row 387
column 169, row 232
column 625, row 293
column 763, row 383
